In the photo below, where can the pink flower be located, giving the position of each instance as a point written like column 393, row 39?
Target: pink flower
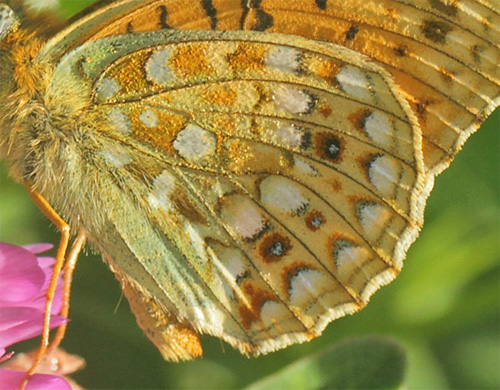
column 24, row 279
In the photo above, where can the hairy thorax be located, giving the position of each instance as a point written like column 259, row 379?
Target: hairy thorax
column 22, row 112
column 38, row 129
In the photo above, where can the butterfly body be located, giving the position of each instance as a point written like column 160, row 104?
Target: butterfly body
column 247, row 185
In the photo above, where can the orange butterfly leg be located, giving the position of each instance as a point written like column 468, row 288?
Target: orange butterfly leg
column 64, row 229
column 68, row 278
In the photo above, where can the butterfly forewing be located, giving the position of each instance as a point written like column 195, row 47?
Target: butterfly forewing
column 278, row 179
column 444, row 55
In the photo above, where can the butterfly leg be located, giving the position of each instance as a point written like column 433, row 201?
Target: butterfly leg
column 64, row 230
column 69, row 268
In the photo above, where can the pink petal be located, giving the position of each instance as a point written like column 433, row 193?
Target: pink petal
column 10, row 379
column 20, row 324
column 37, row 248
column 46, row 261
column 39, row 302
column 21, row 278
column 25, row 278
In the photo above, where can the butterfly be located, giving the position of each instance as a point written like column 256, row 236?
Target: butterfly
column 251, row 170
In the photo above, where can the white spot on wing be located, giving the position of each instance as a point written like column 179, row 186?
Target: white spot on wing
column 273, row 313
column 283, row 58
column 163, row 186
column 384, row 174
column 116, row 156
column 149, row 118
column 306, row 284
column 304, row 167
column 355, row 83
column 242, row 216
column 195, row 143
column 349, row 260
column 107, row 89
column 292, row 100
column 379, row 128
column 289, row 135
column 233, row 263
column 119, row 121
column 283, row 194
column 373, row 218
column 7, row 20
column 231, row 266
column 158, row 67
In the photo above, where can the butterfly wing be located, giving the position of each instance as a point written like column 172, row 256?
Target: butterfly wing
column 249, row 186
column 445, row 56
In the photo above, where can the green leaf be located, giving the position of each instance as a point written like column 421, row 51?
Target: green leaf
column 373, row 362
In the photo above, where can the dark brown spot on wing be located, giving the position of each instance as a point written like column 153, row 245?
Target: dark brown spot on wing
column 365, row 161
column 358, row 118
column 306, row 141
column 254, row 18
column 351, row 33
column 314, row 220
column 328, row 147
column 321, row 4
column 325, row 110
column 422, row 110
column 163, row 16
column 257, row 297
column 476, row 52
column 274, row 247
column 336, row 185
column 211, row 12
column 187, row 208
column 400, row 51
column 449, row 9
column 436, row 30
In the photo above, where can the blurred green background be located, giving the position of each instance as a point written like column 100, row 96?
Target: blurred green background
column 444, row 308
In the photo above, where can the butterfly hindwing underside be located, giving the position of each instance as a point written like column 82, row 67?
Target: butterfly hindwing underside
column 259, row 186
